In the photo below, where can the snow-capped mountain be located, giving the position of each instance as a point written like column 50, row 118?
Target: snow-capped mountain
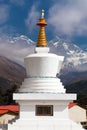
column 24, row 40
column 16, row 48
column 74, row 67
column 75, row 57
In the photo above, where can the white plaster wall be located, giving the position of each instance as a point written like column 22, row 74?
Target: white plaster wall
column 59, row 121
column 77, row 114
column 61, row 111
column 28, row 111
column 43, row 63
column 45, row 124
column 41, row 66
column 41, row 69
column 60, row 103
column 42, row 85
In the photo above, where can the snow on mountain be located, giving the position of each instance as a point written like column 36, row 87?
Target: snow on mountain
column 22, row 41
column 75, row 57
column 16, row 48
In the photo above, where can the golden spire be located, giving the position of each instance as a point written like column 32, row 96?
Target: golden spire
column 42, row 36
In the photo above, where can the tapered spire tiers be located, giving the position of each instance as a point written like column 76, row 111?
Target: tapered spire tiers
column 42, row 35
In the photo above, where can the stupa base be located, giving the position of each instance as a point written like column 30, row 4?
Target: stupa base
column 44, row 124
column 40, row 84
column 29, row 120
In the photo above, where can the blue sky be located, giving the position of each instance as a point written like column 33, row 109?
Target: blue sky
column 66, row 19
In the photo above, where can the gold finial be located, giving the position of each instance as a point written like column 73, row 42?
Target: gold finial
column 42, row 36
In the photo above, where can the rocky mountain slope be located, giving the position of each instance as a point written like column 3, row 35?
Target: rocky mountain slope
column 75, row 57
column 74, row 67
column 10, row 73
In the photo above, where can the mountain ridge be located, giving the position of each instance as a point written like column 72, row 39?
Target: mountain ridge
column 10, row 73
column 75, row 60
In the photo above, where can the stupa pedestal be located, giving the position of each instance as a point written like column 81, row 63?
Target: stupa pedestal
column 57, row 118
column 42, row 99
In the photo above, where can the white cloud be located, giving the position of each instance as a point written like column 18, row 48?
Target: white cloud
column 4, row 13
column 18, row 2
column 69, row 18
column 14, row 50
column 32, row 19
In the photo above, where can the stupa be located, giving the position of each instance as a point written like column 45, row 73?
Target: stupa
column 41, row 97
